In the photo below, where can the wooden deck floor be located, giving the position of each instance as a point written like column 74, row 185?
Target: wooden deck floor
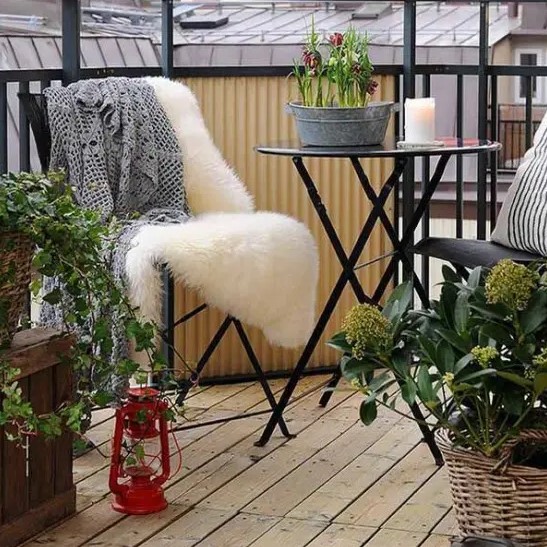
column 336, row 484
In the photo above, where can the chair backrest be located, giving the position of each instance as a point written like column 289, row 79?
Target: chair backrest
column 35, row 108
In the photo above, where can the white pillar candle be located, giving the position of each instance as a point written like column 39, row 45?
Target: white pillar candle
column 420, row 120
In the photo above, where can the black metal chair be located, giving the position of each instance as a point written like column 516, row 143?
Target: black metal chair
column 470, row 253
column 35, row 107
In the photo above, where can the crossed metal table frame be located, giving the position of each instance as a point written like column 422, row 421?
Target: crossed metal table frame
column 349, row 261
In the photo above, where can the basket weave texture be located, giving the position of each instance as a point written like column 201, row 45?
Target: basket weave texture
column 16, row 252
column 505, row 501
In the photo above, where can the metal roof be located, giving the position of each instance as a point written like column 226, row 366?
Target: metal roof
column 272, row 34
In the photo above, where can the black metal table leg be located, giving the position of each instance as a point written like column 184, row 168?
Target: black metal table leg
column 402, row 245
column 348, row 265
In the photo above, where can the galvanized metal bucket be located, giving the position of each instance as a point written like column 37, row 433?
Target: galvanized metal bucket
column 335, row 126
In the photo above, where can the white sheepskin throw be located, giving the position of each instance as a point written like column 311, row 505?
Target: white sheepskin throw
column 260, row 267
column 211, row 186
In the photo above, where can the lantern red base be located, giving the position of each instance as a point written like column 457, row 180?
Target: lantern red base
column 140, row 501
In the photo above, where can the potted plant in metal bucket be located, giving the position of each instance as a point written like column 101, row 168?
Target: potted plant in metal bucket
column 335, row 84
column 476, row 359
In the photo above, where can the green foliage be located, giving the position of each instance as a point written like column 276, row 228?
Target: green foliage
column 476, row 358
column 71, row 244
column 341, row 76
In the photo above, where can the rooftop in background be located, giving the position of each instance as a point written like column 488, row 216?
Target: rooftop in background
column 256, row 33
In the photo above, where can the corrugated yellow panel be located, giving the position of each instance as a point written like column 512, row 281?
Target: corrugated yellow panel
column 242, row 112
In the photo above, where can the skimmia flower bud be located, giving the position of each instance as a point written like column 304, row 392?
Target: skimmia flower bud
column 484, row 355
column 367, row 329
column 510, row 284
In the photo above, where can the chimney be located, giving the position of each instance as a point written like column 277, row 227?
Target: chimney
column 513, row 9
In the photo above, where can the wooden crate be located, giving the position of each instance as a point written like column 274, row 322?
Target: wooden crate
column 36, row 487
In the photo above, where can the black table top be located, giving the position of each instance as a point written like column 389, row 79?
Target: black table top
column 389, row 149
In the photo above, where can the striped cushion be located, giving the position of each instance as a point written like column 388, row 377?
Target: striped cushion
column 522, row 222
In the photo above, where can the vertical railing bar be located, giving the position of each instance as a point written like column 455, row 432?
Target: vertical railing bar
column 409, row 91
column 494, row 155
column 397, row 186
column 44, row 84
column 24, row 133
column 426, row 83
column 528, row 112
column 71, row 40
column 459, row 158
column 167, row 38
column 482, row 164
column 3, row 127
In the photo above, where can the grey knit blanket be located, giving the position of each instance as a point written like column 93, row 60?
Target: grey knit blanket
column 122, row 157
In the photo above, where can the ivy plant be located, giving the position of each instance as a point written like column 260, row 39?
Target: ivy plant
column 72, row 246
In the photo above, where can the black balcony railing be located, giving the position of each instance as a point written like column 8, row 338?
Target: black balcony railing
column 411, row 77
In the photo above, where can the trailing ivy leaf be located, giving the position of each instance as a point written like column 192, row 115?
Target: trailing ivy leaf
column 53, row 297
column 368, row 412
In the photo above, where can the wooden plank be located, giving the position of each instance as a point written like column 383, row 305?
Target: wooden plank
column 41, row 464
column 295, row 533
column 62, row 378
column 240, row 531
column 190, row 528
column 395, row 538
column 95, row 521
column 343, row 535
column 37, row 519
column 352, row 481
column 300, row 483
column 15, row 479
column 436, row 540
column 251, row 483
column 426, row 507
column 380, row 501
column 448, row 525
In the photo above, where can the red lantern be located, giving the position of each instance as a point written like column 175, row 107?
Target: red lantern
column 140, row 454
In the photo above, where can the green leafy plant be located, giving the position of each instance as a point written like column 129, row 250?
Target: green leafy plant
column 338, row 73
column 71, row 245
column 476, row 359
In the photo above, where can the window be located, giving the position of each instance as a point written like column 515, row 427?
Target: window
column 528, row 57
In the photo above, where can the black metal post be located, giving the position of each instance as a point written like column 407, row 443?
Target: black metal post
column 167, row 38
column 24, row 133
column 482, row 161
column 528, row 128
column 409, row 91
column 169, row 318
column 494, row 156
column 71, row 40
column 459, row 159
column 3, row 127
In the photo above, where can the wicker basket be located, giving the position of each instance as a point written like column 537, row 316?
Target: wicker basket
column 16, row 251
column 498, row 499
